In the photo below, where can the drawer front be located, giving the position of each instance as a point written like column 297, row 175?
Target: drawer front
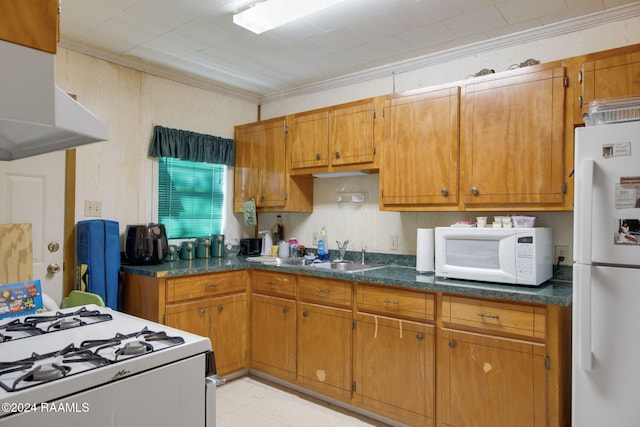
column 396, row 302
column 325, row 291
column 514, row 319
column 206, row 285
column 274, row 283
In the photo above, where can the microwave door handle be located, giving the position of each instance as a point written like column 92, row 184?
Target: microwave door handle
column 584, row 226
column 582, row 295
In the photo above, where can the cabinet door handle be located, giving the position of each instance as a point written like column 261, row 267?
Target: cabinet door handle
column 474, row 191
column 337, row 154
column 452, row 345
column 285, row 310
column 488, row 316
column 202, row 311
column 444, row 191
column 305, row 314
column 318, row 156
column 322, row 291
column 220, row 308
column 388, row 301
column 419, row 337
column 212, row 285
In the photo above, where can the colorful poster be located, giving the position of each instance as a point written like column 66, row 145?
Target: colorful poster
column 19, row 299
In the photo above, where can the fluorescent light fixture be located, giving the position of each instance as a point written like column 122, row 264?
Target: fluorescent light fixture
column 270, row 14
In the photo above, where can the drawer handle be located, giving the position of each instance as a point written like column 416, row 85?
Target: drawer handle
column 388, row 301
column 488, row 316
column 212, row 285
column 270, row 283
column 322, row 291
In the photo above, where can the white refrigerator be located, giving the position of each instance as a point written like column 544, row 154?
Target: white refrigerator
column 606, row 277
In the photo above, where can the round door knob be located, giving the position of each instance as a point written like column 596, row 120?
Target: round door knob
column 220, row 308
column 305, row 314
column 318, row 156
column 474, row 190
column 53, row 247
column 53, row 268
column 444, row 191
column 337, row 154
column 285, row 310
column 202, row 311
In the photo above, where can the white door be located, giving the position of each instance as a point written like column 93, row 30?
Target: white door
column 32, row 191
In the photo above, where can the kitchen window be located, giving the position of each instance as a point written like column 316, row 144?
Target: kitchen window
column 191, row 197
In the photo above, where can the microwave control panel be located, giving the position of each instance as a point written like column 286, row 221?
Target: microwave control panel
column 525, row 256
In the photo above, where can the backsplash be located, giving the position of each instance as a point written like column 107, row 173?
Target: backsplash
column 364, row 225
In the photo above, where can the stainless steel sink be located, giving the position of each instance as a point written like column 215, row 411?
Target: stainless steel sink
column 347, row 267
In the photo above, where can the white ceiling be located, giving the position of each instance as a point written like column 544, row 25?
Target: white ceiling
column 197, row 38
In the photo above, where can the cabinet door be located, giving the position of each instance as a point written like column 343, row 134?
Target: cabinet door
column 324, row 350
column 487, row 381
column 419, row 162
column 272, row 161
column 513, row 140
column 229, row 332
column 610, row 77
column 394, row 368
column 246, row 166
column 194, row 317
column 273, row 336
column 32, row 23
column 309, row 140
column 351, row 134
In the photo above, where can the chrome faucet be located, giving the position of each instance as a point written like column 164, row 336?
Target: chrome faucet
column 342, row 247
column 363, row 255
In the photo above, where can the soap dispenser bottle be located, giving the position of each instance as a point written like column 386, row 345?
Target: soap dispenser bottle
column 323, row 250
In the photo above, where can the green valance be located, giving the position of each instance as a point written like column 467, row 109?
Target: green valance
column 192, row 146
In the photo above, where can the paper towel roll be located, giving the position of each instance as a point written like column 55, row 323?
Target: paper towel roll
column 425, row 250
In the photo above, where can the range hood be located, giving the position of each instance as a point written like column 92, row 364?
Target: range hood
column 36, row 116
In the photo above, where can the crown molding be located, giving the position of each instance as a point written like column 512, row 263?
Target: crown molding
column 547, row 31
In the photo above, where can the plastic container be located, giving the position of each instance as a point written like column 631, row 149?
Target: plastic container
column 524, row 221
column 293, row 247
column 613, row 110
column 323, row 250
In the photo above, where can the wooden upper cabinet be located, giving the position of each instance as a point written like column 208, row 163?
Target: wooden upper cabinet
column 419, row 156
column 512, row 140
column 331, row 139
column 351, row 134
column 609, row 77
column 309, row 140
column 260, row 164
column 31, row 23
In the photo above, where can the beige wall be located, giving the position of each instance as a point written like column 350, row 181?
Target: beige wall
column 119, row 171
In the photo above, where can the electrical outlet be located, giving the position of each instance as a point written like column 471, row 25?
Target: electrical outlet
column 393, row 242
column 93, row 208
column 562, row 255
column 314, row 239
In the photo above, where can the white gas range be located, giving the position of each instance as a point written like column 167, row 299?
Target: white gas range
column 95, row 365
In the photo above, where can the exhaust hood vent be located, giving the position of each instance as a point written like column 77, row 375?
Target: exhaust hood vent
column 36, row 116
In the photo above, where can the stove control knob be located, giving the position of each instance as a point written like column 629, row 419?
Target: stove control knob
column 53, row 268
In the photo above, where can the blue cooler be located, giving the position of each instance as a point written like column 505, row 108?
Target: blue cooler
column 98, row 259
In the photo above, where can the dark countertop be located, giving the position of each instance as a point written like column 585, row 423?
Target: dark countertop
column 557, row 291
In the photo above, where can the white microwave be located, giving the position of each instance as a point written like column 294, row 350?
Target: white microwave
column 520, row 256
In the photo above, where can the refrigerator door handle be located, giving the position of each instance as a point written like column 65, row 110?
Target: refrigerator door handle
column 583, row 238
column 582, row 295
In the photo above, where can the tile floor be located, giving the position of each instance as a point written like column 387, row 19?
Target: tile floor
column 250, row 401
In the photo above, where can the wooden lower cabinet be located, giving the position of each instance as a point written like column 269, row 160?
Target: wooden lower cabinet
column 491, row 381
column 324, row 350
column 273, row 325
column 224, row 320
column 394, row 368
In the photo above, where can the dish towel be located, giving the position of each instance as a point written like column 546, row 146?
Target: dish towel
column 249, row 208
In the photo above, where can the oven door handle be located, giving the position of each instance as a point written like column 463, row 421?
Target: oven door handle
column 211, row 384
